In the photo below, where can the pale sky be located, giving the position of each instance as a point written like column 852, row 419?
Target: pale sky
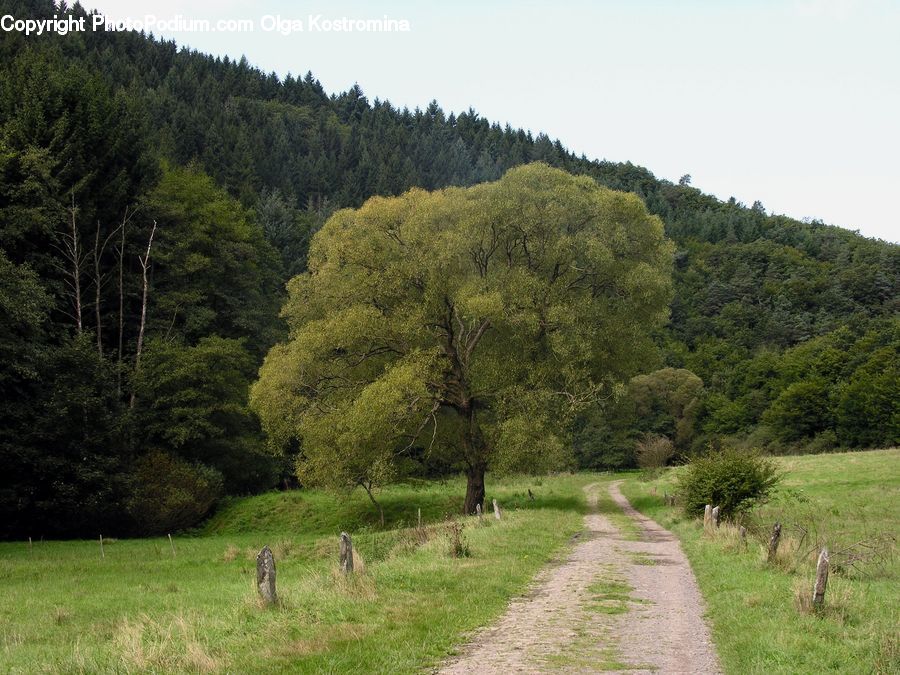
column 792, row 103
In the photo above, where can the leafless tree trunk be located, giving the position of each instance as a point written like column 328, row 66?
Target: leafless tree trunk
column 98, row 278
column 367, row 486
column 121, row 303
column 74, row 257
column 145, row 265
column 97, row 283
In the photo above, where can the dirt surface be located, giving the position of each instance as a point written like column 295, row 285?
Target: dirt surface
column 615, row 604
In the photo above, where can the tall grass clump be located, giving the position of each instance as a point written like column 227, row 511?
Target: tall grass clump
column 731, row 479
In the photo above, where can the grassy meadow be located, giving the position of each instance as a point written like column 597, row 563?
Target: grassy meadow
column 142, row 609
column 760, row 623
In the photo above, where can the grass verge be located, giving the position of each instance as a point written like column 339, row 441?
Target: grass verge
column 757, row 609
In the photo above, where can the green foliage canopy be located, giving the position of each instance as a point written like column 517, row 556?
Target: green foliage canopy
column 474, row 320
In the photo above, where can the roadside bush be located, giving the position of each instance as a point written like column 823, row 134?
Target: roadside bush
column 171, row 494
column 653, row 452
column 732, row 480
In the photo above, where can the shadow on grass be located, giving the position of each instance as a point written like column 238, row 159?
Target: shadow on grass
column 402, row 510
column 320, row 513
column 645, row 503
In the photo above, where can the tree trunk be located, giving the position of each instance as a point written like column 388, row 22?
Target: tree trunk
column 145, row 264
column 474, row 489
column 368, row 489
column 98, row 283
column 121, row 307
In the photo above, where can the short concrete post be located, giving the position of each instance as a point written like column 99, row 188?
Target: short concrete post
column 821, row 579
column 496, row 510
column 715, row 516
column 707, row 516
column 265, row 575
column 346, row 554
column 773, row 542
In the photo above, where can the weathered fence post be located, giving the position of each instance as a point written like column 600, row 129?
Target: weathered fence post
column 420, row 518
column 707, row 516
column 346, row 555
column 478, row 511
column 30, row 548
column 715, row 516
column 172, row 544
column 265, row 575
column 773, row 542
column 821, row 579
column 743, row 535
column 102, row 554
column 496, row 510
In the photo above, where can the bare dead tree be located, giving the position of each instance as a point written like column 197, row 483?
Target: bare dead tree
column 72, row 253
column 99, row 249
column 121, row 253
column 145, row 265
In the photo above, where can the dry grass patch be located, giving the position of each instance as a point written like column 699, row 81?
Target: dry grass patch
column 145, row 645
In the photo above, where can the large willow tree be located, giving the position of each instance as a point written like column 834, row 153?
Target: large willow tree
column 475, row 321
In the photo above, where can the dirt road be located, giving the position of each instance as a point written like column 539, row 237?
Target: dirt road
column 615, row 604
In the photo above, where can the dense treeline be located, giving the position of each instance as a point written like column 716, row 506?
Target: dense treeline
column 153, row 201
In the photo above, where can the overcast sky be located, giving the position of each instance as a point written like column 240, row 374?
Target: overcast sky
column 792, row 103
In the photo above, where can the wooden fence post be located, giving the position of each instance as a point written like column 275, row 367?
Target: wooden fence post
column 102, row 554
column 715, row 516
column 773, row 542
column 821, row 579
column 420, row 518
column 172, row 545
column 265, row 575
column 346, row 554
column 496, row 510
column 743, row 535
column 480, row 514
column 707, row 516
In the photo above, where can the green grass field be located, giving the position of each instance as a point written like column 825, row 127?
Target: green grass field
column 140, row 609
column 839, row 500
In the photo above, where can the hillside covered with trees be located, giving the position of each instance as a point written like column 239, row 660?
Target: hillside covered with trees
column 155, row 201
